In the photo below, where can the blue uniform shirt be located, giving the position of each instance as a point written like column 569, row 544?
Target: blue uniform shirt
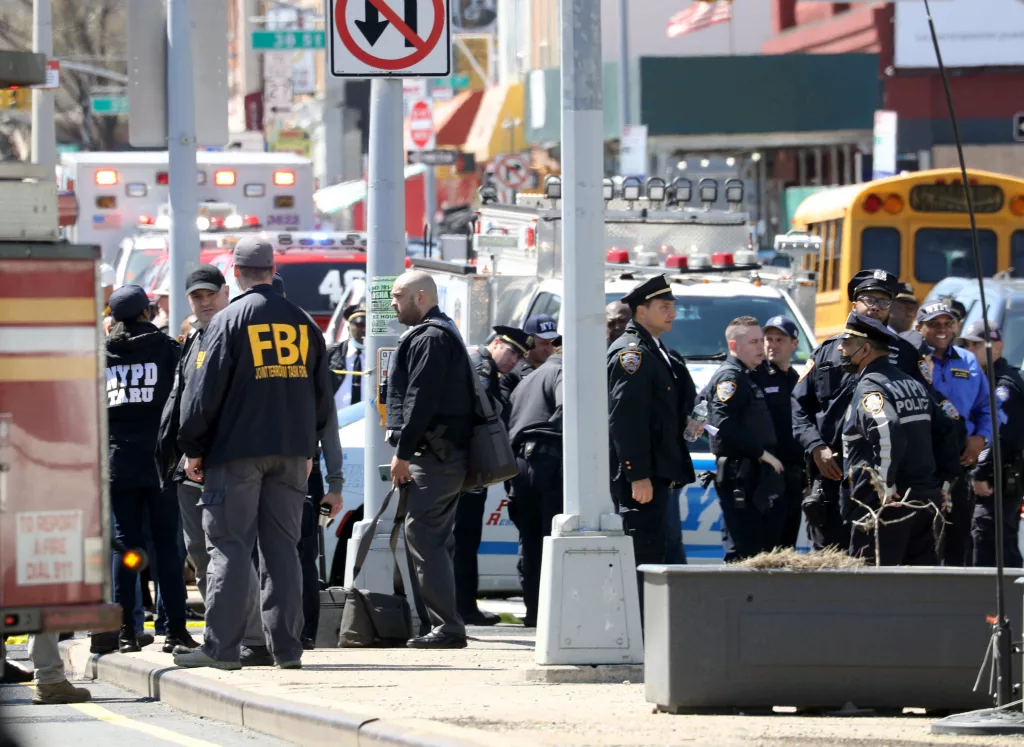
column 960, row 379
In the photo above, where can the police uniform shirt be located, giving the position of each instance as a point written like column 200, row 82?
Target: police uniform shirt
column 887, row 436
column 261, row 385
column 960, row 379
column 778, row 386
column 650, row 397
column 739, row 411
column 1010, row 396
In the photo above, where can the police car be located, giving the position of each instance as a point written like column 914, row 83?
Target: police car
column 705, row 305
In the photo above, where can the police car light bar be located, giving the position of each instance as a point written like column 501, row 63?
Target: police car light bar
column 797, row 243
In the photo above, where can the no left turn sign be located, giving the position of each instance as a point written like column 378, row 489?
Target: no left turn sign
column 389, row 38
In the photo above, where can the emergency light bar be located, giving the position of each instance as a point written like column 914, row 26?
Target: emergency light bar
column 798, row 244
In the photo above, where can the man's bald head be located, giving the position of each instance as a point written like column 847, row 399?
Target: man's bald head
column 412, row 296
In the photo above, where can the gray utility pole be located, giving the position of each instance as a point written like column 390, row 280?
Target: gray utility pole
column 589, row 610
column 44, row 136
column 624, row 63
column 333, row 126
column 385, row 260
column 181, row 158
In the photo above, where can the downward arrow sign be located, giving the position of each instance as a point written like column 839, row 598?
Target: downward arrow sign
column 372, row 27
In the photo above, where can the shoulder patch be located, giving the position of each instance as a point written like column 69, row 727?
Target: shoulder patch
column 724, row 390
column 630, row 360
column 949, row 409
column 200, row 358
column 1002, row 393
column 873, row 403
column 810, row 367
column 926, row 372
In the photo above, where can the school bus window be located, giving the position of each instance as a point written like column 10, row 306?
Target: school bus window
column 880, row 250
column 284, row 201
column 1017, row 254
column 827, row 244
column 106, row 202
column 948, row 252
column 837, row 255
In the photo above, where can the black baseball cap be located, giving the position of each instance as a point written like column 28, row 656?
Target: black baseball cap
column 205, row 277
column 127, row 303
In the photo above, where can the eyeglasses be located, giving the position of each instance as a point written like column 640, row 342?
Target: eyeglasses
column 873, row 302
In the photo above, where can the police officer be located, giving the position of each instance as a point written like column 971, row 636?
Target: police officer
column 822, row 395
column 249, row 419
column 491, row 363
column 1010, row 396
column 904, row 309
column 346, row 358
column 887, row 452
column 651, row 394
column 616, row 317
column 141, row 363
column 776, row 378
column 957, row 375
column 535, row 499
column 544, row 331
column 751, row 496
column 430, row 404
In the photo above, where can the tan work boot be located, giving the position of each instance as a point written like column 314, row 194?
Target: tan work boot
column 60, row 694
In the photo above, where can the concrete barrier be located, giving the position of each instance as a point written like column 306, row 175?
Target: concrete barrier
column 726, row 637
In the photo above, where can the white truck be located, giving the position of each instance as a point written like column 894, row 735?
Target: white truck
column 119, row 192
column 515, row 273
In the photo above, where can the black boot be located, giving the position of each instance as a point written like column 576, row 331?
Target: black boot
column 178, row 637
column 103, row 643
column 126, row 640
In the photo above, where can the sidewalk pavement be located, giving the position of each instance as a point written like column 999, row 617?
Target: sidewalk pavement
column 487, row 694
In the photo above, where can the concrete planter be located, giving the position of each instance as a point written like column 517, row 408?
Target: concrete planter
column 723, row 637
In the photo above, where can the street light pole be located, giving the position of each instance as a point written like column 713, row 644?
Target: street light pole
column 44, row 137
column 589, row 610
column 624, row 63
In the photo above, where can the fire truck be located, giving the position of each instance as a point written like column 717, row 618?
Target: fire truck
column 115, row 189
column 54, row 507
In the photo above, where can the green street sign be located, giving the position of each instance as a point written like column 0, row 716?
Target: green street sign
column 453, row 81
column 109, row 105
column 282, row 41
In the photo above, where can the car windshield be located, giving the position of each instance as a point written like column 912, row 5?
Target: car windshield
column 699, row 329
column 139, row 261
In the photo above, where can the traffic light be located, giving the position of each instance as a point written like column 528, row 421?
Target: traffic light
column 16, row 98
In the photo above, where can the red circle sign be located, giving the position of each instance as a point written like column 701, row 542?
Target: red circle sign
column 421, row 124
column 423, row 46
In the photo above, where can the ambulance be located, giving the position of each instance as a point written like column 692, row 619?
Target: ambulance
column 512, row 270
column 115, row 189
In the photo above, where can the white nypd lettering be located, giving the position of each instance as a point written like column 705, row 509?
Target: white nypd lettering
column 134, row 383
column 910, row 396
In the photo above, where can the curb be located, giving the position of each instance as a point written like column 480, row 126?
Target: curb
column 276, row 717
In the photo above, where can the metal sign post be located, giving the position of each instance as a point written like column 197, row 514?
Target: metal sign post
column 424, row 137
column 589, row 609
column 369, row 39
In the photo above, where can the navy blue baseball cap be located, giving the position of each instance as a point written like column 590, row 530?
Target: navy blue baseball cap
column 128, row 302
column 542, row 326
column 934, row 310
column 858, row 325
column 785, row 325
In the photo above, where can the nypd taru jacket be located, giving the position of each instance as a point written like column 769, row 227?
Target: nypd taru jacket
column 260, row 387
column 649, row 401
column 887, row 437
column 139, row 374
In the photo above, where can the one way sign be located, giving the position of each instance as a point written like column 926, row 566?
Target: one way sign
column 389, row 38
column 1018, row 127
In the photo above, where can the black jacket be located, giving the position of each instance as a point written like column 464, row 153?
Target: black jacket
column 514, row 378
column 536, row 407
column 887, row 436
column 261, row 386
column 169, row 456
column 140, row 375
column 778, row 386
column 429, row 386
column 1010, row 396
column 740, row 413
column 649, row 401
column 336, row 357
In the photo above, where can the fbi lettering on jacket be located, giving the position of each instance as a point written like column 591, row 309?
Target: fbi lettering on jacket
column 279, row 351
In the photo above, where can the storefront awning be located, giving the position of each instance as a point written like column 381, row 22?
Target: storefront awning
column 452, row 120
column 343, row 196
column 488, row 138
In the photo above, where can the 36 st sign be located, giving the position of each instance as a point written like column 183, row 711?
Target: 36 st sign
column 389, row 38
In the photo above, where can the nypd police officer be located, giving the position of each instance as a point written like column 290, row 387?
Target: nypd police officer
column 748, row 475
column 347, row 358
column 544, row 331
column 140, row 368
column 650, row 395
column 887, row 452
column 1010, row 396
column 249, row 424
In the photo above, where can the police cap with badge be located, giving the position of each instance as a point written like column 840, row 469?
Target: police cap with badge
column 356, row 313
column 872, row 280
column 906, row 293
column 866, row 328
column 521, row 341
column 650, row 290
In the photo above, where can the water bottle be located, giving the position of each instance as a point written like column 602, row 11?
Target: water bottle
column 695, row 423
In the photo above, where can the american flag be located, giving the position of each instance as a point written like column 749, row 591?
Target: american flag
column 699, row 15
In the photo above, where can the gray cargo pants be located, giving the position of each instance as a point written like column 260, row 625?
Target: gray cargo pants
column 433, row 496
column 195, row 546
column 243, row 501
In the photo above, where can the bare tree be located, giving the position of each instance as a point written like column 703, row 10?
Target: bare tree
column 87, row 31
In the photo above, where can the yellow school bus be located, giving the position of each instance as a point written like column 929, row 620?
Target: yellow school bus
column 915, row 226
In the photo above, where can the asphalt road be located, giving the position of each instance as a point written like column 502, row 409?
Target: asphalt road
column 114, row 718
